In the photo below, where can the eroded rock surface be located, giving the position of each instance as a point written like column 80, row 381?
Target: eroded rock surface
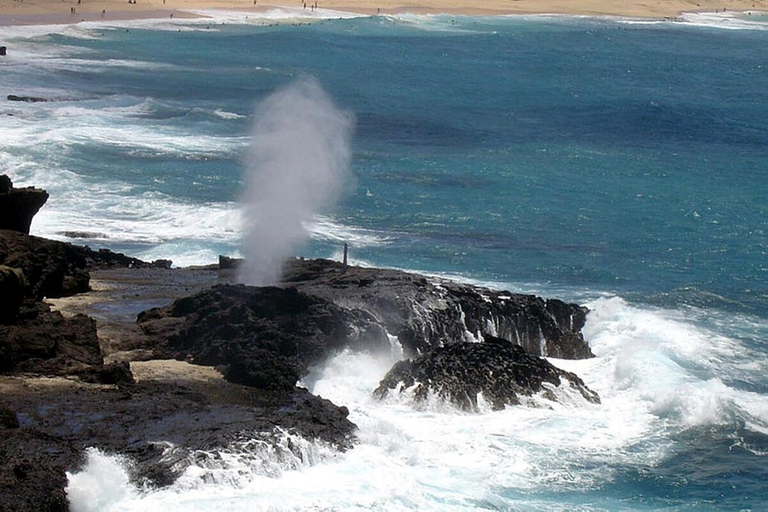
column 427, row 312
column 19, row 205
column 495, row 371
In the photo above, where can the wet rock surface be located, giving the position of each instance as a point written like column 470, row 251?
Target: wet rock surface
column 159, row 424
column 220, row 364
column 464, row 374
column 428, row 312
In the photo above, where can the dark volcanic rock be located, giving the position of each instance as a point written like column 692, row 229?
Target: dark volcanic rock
column 32, row 471
column 12, row 291
column 44, row 342
column 52, row 269
column 426, row 313
column 57, row 269
column 268, row 337
column 163, row 427
column 497, row 369
column 19, row 205
column 265, row 337
column 26, row 99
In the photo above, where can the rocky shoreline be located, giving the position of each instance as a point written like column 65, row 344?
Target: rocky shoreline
column 102, row 350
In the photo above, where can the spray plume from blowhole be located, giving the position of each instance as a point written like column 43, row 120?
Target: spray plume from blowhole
column 296, row 167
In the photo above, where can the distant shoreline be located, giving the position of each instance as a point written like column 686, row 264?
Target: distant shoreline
column 55, row 12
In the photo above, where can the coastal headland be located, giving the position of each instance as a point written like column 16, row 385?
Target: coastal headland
column 41, row 12
column 163, row 365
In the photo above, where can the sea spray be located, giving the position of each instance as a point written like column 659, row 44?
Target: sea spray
column 103, row 482
column 296, row 167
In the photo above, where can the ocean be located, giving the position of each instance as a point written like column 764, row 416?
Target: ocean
column 618, row 163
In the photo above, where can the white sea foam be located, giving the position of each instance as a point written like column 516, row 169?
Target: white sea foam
column 102, row 482
column 182, row 231
column 272, row 15
column 227, row 115
column 324, row 228
column 188, row 233
column 676, row 369
column 726, row 20
column 657, row 376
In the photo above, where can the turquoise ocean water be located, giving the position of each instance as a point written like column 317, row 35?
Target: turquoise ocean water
column 618, row 163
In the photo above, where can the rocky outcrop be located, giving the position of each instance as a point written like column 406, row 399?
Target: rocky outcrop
column 425, row 313
column 19, row 205
column 57, row 269
column 26, row 99
column 268, row 337
column 12, row 291
column 162, row 427
column 52, row 269
column 496, row 372
column 44, row 342
column 263, row 337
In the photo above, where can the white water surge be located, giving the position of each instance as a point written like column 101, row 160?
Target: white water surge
column 657, row 375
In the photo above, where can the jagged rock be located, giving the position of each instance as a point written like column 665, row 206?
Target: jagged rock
column 46, row 343
column 268, row 337
column 19, row 205
column 57, row 269
column 265, row 337
column 52, row 269
column 3, row 50
column 12, row 291
column 425, row 313
column 83, row 234
column 163, row 427
column 496, row 369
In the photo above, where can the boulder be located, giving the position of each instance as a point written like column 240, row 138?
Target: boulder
column 44, row 342
column 113, row 373
column 464, row 374
column 19, row 205
column 52, row 269
column 12, row 292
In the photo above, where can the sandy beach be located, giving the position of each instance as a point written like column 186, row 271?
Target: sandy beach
column 36, row 12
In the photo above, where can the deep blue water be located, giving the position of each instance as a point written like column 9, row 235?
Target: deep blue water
column 585, row 158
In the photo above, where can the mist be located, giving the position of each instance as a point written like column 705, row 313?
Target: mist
column 297, row 166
